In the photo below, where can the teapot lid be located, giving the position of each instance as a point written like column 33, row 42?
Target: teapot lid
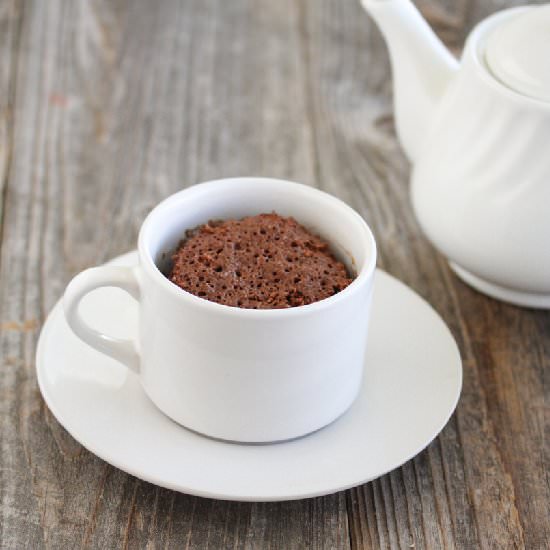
column 518, row 52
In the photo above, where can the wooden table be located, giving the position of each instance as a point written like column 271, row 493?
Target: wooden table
column 108, row 107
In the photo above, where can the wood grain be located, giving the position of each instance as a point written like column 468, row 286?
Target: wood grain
column 106, row 107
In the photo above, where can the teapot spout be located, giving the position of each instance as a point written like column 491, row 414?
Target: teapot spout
column 421, row 67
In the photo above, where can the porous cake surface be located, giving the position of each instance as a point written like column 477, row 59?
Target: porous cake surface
column 260, row 262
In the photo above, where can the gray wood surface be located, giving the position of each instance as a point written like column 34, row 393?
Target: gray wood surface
column 106, row 107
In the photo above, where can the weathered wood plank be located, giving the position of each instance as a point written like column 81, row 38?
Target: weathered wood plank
column 19, row 520
column 10, row 26
column 107, row 107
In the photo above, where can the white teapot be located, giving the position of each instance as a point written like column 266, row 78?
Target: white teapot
column 478, row 135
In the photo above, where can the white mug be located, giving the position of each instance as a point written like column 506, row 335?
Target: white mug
column 247, row 375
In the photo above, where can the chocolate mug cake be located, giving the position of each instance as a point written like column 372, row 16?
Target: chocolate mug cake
column 231, row 373
column 259, row 262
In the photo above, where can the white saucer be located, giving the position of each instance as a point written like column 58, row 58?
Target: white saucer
column 413, row 376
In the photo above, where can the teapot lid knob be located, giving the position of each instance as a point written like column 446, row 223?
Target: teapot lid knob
column 517, row 52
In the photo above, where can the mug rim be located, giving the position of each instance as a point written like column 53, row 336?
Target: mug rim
column 147, row 263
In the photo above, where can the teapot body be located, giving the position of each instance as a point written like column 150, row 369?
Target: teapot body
column 481, row 181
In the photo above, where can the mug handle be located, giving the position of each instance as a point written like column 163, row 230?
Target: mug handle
column 125, row 278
